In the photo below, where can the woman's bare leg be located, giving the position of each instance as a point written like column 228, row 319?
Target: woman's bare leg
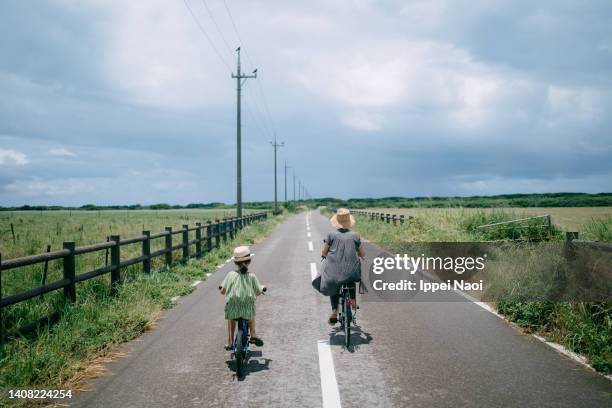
column 252, row 327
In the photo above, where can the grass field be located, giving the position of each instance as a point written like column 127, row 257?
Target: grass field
column 57, row 355
column 582, row 219
column 584, row 327
column 34, row 230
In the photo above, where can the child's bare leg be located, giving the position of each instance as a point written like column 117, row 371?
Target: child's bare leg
column 252, row 328
column 230, row 332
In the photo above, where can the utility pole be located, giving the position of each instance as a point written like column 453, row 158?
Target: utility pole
column 293, row 184
column 276, row 146
column 299, row 190
column 239, row 81
column 286, row 167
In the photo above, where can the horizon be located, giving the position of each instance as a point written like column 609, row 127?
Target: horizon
column 214, row 204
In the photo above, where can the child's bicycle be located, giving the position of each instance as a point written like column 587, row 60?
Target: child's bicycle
column 240, row 345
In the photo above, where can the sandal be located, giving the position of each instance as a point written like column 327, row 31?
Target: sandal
column 227, row 347
column 256, row 341
column 333, row 320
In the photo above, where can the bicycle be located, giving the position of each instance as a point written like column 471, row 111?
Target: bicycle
column 345, row 313
column 240, row 344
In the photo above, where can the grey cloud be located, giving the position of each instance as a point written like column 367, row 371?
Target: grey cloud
column 545, row 123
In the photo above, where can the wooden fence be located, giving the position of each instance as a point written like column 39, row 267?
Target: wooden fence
column 388, row 218
column 214, row 233
column 573, row 243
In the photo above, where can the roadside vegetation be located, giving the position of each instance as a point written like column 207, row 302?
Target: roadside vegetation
column 498, row 201
column 57, row 355
column 583, row 327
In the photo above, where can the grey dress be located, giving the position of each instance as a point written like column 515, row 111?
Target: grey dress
column 342, row 264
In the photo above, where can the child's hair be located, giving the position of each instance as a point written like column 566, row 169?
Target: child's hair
column 240, row 267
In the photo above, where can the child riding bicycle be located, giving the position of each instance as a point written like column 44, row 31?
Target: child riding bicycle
column 241, row 288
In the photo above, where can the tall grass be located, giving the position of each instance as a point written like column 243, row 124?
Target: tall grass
column 598, row 229
column 55, row 355
column 584, row 327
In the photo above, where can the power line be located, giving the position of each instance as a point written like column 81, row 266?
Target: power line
column 269, row 118
column 259, row 112
column 210, row 14
column 206, row 35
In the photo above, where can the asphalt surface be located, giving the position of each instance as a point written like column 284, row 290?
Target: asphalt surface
column 406, row 354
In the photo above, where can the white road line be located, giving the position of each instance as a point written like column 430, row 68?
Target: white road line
column 310, row 248
column 558, row 347
column 313, row 271
column 308, row 234
column 329, row 386
column 196, row 283
column 308, row 228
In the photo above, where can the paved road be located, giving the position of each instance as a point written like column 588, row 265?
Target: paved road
column 411, row 354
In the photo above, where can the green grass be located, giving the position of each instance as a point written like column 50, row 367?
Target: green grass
column 583, row 327
column 54, row 356
column 34, row 230
column 598, row 229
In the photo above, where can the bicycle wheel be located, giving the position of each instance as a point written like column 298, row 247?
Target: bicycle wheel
column 240, row 355
column 348, row 318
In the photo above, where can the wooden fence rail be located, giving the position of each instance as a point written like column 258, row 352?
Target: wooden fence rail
column 219, row 230
column 388, row 218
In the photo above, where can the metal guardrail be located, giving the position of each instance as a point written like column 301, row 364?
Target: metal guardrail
column 215, row 232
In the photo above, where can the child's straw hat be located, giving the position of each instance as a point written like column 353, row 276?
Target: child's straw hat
column 242, row 253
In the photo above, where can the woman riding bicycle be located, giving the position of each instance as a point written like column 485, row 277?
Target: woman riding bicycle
column 342, row 250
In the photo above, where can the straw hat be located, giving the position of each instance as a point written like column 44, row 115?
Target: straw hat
column 342, row 218
column 242, row 253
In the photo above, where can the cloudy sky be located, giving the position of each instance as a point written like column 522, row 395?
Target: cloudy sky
column 108, row 101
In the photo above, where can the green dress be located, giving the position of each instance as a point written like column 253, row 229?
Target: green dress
column 241, row 289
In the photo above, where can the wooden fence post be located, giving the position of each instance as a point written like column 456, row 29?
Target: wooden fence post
column 232, row 228
column 198, row 239
column 146, row 252
column 224, row 229
column 115, row 261
column 217, row 234
column 43, row 280
column 401, row 220
column 70, row 271
column 106, row 252
column 569, row 251
column 209, row 234
column 168, row 246
column 394, row 219
column 185, row 242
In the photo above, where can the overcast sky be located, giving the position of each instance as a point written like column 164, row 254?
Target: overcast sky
column 117, row 102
